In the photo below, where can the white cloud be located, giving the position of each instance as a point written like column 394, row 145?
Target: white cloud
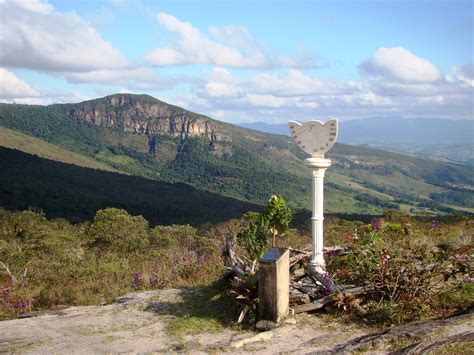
column 402, row 65
column 221, row 90
column 139, row 78
column 12, row 87
column 464, row 74
column 192, row 47
column 34, row 36
column 40, row 6
column 231, row 46
column 220, row 84
column 294, row 83
column 283, row 95
column 268, row 101
column 218, row 114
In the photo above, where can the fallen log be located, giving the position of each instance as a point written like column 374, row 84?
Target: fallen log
column 320, row 303
column 299, row 298
column 312, row 306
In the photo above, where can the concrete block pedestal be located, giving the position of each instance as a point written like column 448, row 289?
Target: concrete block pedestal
column 273, row 287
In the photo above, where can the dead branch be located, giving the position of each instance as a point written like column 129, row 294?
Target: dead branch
column 8, row 271
column 297, row 258
column 300, row 251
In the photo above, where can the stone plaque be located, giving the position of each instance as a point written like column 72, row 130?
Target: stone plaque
column 314, row 137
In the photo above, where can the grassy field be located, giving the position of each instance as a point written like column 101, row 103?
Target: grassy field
column 28, row 144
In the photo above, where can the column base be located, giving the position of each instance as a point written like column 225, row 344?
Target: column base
column 317, row 266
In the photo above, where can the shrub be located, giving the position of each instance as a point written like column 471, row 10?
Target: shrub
column 115, row 229
column 409, row 275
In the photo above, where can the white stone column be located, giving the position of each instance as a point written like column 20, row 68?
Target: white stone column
column 318, row 167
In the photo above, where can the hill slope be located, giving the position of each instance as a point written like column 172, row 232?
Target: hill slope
column 28, row 144
column 144, row 136
column 76, row 193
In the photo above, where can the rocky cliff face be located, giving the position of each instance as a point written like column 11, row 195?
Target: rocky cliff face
column 152, row 118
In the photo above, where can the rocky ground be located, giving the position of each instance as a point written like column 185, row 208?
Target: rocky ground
column 137, row 324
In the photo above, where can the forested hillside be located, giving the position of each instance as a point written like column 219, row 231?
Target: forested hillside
column 76, row 193
column 139, row 135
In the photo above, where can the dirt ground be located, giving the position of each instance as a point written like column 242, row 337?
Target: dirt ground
column 136, row 324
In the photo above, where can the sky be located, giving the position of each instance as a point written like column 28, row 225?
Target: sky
column 245, row 61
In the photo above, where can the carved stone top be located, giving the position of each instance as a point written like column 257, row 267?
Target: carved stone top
column 315, row 137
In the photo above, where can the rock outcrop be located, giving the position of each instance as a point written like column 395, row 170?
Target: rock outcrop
column 141, row 115
column 140, row 323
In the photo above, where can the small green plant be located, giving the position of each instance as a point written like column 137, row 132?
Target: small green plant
column 256, row 228
column 277, row 216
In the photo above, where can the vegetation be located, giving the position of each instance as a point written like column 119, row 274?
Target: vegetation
column 244, row 164
column 415, row 268
column 75, row 193
column 52, row 262
column 257, row 229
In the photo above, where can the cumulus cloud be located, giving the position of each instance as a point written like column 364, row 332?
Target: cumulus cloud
column 294, row 83
column 15, row 90
column 230, row 46
column 220, row 84
column 34, row 36
column 192, row 47
column 135, row 78
column 12, row 87
column 402, row 65
column 294, row 94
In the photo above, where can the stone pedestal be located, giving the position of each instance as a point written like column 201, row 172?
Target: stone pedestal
column 273, row 287
column 318, row 167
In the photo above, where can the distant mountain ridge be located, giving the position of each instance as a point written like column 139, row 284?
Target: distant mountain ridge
column 428, row 137
column 140, row 135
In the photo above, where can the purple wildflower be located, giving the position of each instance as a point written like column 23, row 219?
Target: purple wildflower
column 377, row 222
column 137, row 277
column 330, row 251
column 469, row 280
column 434, row 225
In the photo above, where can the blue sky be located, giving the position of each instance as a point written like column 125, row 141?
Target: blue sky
column 238, row 61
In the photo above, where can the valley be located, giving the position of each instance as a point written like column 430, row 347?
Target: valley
column 141, row 136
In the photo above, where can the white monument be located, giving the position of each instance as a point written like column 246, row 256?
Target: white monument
column 316, row 138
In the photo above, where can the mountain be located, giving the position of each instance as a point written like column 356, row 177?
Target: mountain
column 140, row 135
column 425, row 137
